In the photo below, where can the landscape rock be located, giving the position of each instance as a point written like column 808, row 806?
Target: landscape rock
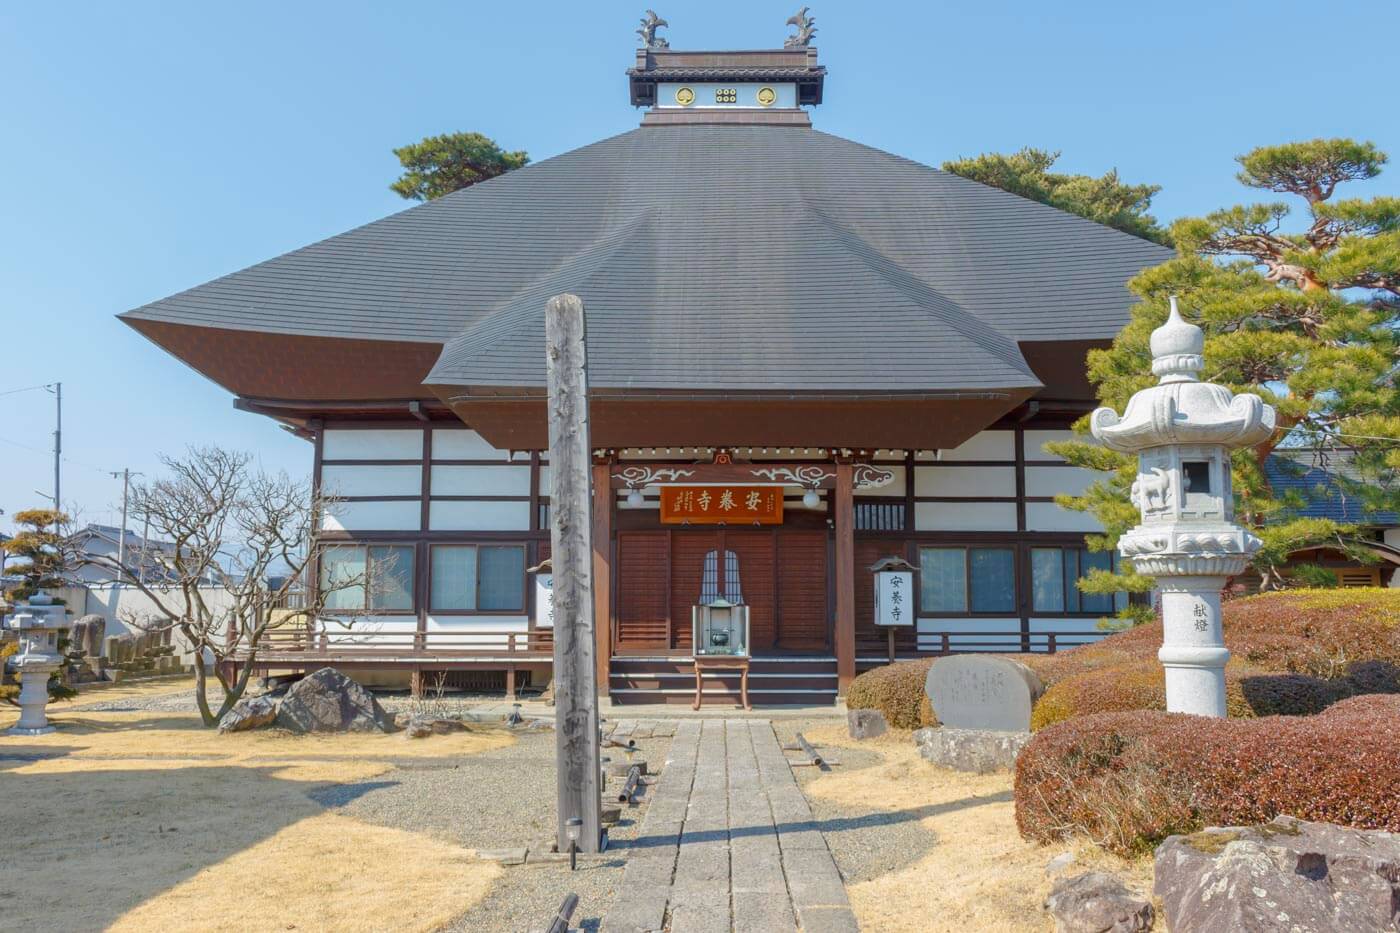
column 328, row 701
column 1059, row 864
column 1096, row 902
column 865, row 723
column 1285, row 875
column 976, row 750
column 249, row 713
column 968, row 691
column 420, row 727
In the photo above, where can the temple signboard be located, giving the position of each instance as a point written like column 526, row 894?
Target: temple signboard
column 722, row 505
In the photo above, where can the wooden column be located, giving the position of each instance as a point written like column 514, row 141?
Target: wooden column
column 575, row 694
column 602, row 573
column 844, row 518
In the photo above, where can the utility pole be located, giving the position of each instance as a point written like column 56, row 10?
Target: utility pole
column 577, row 766
column 126, row 475
column 58, row 447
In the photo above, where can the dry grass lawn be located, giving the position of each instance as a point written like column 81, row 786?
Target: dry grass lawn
column 980, row 873
column 150, row 821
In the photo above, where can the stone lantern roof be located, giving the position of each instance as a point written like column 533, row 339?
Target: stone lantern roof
column 1181, row 409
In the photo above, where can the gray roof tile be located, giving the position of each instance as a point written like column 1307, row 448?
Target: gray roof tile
column 740, row 256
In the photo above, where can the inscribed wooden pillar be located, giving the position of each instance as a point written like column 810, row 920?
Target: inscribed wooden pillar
column 845, row 519
column 602, row 573
column 571, row 523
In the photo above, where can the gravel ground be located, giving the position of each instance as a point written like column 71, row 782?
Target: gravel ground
column 499, row 800
column 865, row 841
column 182, row 702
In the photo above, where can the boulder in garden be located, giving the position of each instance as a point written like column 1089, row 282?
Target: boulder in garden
column 1097, row 902
column 328, row 701
column 1286, row 875
column 249, row 713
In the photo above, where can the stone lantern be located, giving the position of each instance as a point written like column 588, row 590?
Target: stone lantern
column 1183, row 430
column 39, row 624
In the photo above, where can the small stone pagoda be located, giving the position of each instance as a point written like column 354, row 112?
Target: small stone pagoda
column 1183, row 430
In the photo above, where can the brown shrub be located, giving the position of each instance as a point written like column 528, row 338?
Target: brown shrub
column 897, row 691
column 1127, row 780
column 1293, row 653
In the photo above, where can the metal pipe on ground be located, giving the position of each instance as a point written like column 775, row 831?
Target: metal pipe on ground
column 634, row 777
column 808, row 750
column 560, row 923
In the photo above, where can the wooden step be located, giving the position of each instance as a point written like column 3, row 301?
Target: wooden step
column 781, row 680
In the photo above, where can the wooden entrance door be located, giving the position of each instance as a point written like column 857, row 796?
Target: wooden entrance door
column 782, row 578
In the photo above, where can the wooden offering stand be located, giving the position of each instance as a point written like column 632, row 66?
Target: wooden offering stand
column 722, row 663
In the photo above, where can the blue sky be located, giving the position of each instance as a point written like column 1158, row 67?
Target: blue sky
column 151, row 147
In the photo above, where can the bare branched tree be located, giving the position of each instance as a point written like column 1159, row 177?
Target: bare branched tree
column 232, row 530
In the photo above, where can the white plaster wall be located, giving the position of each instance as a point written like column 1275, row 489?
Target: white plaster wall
column 480, row 480
column 1082, row 632
column 375, row 444
column 479, row 516
column 987, row 445
column 121, row 605
column 465, row 444
column 472, row 631
column 373, row 516
column 969, row 481
column 1047, row 516
column 405, row 480
column 975, row 633
column 964, row 516
column 370, row 632
column 1036, row 441
column 1051, row 481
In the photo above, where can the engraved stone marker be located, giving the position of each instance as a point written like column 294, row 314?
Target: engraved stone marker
column 973, row 692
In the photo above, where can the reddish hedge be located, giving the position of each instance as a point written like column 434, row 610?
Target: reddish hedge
column 1294, row 652
column 1128, row 780
column 897, row 691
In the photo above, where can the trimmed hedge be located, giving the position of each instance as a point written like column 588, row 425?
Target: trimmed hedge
column 1293, row 653
column 1129, row 780
column 897, row 691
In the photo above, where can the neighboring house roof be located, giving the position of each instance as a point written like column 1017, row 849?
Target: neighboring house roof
column 112, row 535
column 1326, row 497
column 708, row 257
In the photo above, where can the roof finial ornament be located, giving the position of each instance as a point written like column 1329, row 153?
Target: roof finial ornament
column 1177, row 348
column 650, row 23
column 806, row 29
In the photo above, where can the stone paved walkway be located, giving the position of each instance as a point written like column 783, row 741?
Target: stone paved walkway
column 728, row 843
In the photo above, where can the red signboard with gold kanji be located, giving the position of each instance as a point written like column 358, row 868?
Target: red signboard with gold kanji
column 715, row 505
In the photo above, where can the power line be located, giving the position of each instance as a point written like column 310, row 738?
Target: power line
column 25, row 389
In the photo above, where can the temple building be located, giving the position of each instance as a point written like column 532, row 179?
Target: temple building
column 805, row 356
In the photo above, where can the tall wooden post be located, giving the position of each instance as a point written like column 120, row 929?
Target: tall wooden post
column 845, row 520
column 602, row 572
column 571, row 554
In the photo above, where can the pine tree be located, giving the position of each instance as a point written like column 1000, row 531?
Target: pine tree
column 45, row 556
column 1308, row 320
column 1106, row 199
column 440, row 165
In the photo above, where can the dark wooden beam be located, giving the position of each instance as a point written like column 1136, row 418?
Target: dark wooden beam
column 845, row 516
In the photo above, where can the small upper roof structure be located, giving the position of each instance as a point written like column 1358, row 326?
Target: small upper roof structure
column 746, row 279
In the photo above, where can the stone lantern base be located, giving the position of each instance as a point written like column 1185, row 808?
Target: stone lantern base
column 33, row 699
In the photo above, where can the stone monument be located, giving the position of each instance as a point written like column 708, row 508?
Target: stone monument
column 968, row 691
column 1183, row 430
column 983, row 705
column 38, row 623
